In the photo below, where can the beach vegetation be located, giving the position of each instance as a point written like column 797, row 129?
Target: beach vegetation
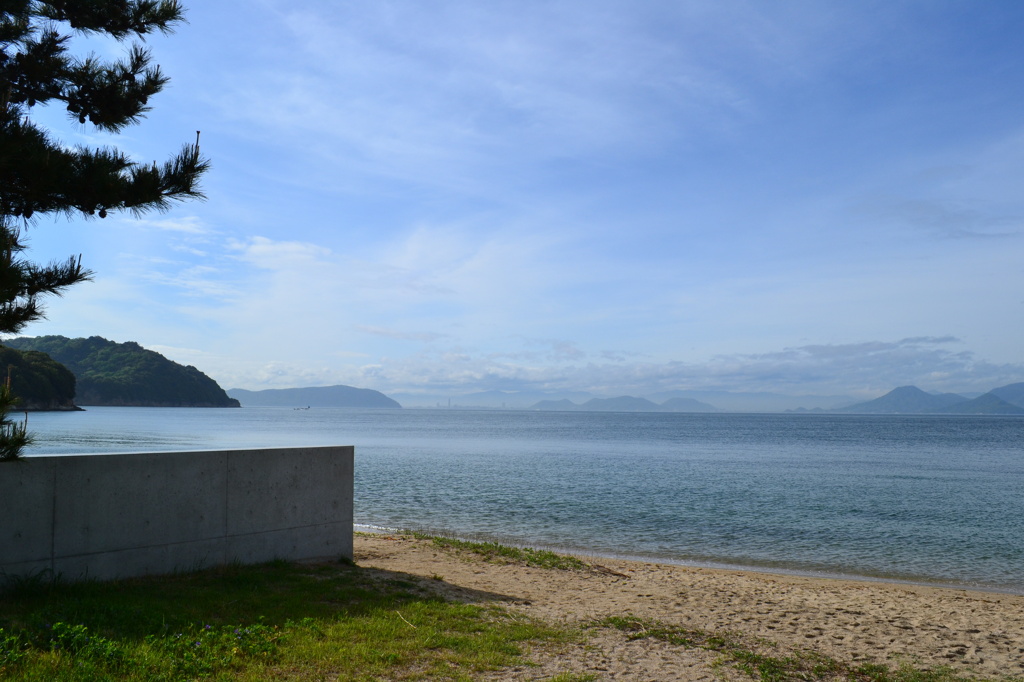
column 495, row 552
column 258, row 622
column 764, row 663
column 338, row 620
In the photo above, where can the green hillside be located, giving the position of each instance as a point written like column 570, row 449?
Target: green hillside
column 126, row 374
column 37, row 380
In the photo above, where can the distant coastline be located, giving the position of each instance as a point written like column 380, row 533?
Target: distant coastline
column 317, row 396
column 1005, row 400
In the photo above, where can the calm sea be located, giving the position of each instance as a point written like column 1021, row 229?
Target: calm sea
column 923, row 499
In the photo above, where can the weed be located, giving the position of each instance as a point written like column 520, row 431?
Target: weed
column 257, row 622
column 744, row 655
column 12, row 649
column 495, row 552
column 80, row 643
column 29, row 583
column 205, row 650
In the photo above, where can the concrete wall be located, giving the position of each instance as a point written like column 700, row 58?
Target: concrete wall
column 111, row 516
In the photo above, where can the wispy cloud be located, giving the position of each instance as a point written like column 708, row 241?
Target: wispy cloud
column 947, row 219
column 441, row 96
column 426, row 337
column 188, row 224
column 620, row 198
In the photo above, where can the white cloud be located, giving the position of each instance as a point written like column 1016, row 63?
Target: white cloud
column 280, row 256
column 188, row 224
column 617, row 196
column 863, row 370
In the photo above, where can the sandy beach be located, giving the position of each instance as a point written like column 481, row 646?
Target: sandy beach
column 978, row 633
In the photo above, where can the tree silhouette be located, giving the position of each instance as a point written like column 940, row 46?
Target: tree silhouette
column 40, row 176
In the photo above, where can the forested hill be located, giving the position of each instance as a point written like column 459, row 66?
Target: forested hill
column 39, row 382
column 126, row 374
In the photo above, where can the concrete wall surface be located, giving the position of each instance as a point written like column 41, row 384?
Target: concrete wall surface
column 115, row 516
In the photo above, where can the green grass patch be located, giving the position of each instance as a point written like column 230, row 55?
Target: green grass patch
column 498, row 553
column 762, row 662
column 276, row 620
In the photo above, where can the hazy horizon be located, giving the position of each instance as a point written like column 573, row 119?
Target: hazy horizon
column 721, row 401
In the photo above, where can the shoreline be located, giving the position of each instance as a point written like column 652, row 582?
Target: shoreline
column 711, row 565
column 970, row 632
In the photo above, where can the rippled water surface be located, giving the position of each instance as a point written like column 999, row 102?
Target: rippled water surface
column 933, row 499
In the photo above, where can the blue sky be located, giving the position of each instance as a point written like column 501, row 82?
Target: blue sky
column 446, row 197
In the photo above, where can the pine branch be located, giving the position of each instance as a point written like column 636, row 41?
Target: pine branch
column 55, row 277
column 112, row 96
column 14, row 437
column 37, row 176
column 22, row 283
column 118, row 19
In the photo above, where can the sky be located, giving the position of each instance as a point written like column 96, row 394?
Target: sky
column 600, row 196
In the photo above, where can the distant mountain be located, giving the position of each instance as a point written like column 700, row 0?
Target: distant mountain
column 906, row 400
column 1011, row 393
column 315, row 396
column 912, row 400
column 985, row 404
column 624, row 403
column 497, row 400
column 126, row 374
column 687, row 405
column 721, row 401
column 760, row 401
column 565, row 405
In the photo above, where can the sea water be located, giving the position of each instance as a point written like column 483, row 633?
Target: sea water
column 932, row 499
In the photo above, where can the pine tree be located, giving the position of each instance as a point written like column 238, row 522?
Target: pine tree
column 40, row 176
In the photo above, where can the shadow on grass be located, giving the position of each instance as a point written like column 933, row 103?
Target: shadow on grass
column 273, row 593
column 280, row 619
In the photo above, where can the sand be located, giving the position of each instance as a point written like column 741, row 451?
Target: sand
column 980, row 633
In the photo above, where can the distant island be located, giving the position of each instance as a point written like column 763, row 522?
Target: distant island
column 1007, row 400
column 120, row 374
column 625, row 403
column 316, row 396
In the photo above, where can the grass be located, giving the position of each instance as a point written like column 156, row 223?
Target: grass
column 761, row 662
column 276, row 620
column 498, row 553
column 335, row 621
